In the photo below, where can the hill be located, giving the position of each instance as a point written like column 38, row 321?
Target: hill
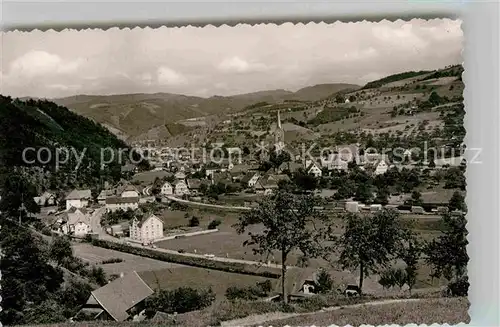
column 136, row 114
column 41, row 124
column 321, row 91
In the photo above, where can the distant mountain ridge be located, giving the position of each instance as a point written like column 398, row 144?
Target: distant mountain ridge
column 136, row 114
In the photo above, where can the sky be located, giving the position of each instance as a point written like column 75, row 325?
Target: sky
column 206, row 61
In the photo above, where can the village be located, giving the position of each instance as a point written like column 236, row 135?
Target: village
column 246, row 203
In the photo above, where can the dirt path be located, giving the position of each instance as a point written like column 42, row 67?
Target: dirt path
column 262, row 319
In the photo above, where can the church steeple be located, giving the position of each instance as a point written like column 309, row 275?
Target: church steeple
column 279, row 136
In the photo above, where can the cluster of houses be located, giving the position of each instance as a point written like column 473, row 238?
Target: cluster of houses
column 81, row 210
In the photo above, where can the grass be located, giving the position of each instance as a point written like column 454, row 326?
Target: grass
column 444, row 310
column 198, row 278
column 425, row 311
column 96, row 255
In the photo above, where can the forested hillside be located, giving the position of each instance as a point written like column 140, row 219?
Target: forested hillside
column 28, row 126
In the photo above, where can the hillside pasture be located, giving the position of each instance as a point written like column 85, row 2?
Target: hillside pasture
column 96, row 255
column 450, row 311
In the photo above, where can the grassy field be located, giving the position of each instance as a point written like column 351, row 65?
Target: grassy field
column 427, row 311
column 95, row 255
column 198, row 278
column 446, row 310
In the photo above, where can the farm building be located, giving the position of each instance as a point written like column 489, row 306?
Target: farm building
column 124, row 203
column 120, row 300
column 76, row 222
column 78, row 199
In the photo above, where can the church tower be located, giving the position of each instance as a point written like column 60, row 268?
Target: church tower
column 279, row 135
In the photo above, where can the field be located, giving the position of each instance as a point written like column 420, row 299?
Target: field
column 95, row 255
column 198, row 278
column 450, row 311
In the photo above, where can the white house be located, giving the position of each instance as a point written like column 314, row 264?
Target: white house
column 147, row 229
column 47, row 198
column 129, row 191
column 78, row 222
column 114, row 203
column 180, row 175
column 181, row 188
column 381, row 167
column 314, row 169
column 78, row 199
column 167, row 189
column 250, row 179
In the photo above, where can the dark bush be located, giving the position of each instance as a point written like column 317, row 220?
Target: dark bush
column 214, row 223
column 459, row 287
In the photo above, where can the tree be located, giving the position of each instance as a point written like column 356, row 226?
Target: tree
column 194, row 221
column 16, row 193
column 288, row 222
column 304, row 181
column 214, row 223
column 369, row 242
column 27, row 277
column 448, row 254
column 457, row 202
column 382, row 196
column 323, row 283
column 339, row 99
column 60, row 249
column 410, row 252
column 416, row 198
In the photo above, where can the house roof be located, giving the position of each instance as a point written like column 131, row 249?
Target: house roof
column 79, row 195
column 180, row 181
column 146, row 218
column 279, row 177
column 248, row 177
column 73, row 210
column 291, row 166
column 122, row 294
column 295, row 278
column 74, row 218
column 193, row 183
column 120, row 199
column 128, row 168
column 242, row 168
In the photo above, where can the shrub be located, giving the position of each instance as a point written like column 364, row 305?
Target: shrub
column 314, row 303
column 214, row 223
column 194, row 221
column 324, row 282
column 459, row 287
column 183, row 299
column 112, row 260
column 201, row 262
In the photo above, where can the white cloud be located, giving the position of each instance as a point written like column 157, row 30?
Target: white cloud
column 222, row 60
column 168, row 76
column 238, row 65
column 36, row 63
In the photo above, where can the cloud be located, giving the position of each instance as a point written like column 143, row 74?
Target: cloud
column 168, row 76
column 238, row 65
column 36, row 63
column 203, row 61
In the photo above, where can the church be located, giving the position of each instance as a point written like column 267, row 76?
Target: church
column 279, row 136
